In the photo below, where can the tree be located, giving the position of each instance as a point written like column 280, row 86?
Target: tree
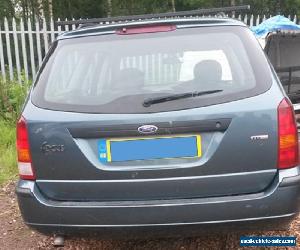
column 109, row 8
column 50, row 5
column 232, row 3
column 173, row 5
column 41, row 8
column 102, row 8
column 79, row 8
column 7, row 8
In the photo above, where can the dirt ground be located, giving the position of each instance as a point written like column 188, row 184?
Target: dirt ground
column 15, row 235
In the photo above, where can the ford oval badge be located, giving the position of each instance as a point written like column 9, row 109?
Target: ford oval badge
column 147, row 129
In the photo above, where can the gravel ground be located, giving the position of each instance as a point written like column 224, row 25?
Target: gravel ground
column 15, row 235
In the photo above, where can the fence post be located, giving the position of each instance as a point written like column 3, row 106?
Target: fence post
column 16, row 45
column 45, row 36
column 257, row 20
column 59, row 26
column 246, row 19
column 24, row 52
column 38, row 41
column 73, row 25
column 8, row 49
column 32, row 62
column 52, row 30
column 3, row 72
column 251, row 21
column 66, row 26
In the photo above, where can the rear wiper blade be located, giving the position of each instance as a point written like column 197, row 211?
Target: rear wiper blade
column 150, row 101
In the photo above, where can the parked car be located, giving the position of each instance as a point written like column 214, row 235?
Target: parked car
column 154, row 125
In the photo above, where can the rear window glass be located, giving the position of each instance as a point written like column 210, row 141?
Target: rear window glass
column 116, row 73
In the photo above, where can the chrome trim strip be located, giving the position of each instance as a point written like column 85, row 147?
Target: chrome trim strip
column 153, row 203
column 168, row 224
column 159, row 179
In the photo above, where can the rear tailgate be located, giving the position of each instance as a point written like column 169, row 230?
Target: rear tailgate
column 66, row 158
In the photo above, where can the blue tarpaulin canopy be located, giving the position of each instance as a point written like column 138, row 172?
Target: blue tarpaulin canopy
column 273, row 24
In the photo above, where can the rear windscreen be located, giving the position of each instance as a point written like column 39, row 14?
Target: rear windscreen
column 116, row 73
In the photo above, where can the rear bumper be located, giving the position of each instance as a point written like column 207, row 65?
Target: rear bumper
column 280, row 201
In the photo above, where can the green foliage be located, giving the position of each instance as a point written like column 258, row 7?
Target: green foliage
column 102, row 8
column 8, row 163
column 12, row 97
column 273, row 7
column 78, row 8
column 133, row 7
column 7, row 8
column 99, row 8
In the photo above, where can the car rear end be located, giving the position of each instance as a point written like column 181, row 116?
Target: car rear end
column 92, row 155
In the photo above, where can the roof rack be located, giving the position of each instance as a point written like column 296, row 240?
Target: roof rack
column 107, row 20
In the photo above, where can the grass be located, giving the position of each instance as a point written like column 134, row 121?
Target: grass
column 12, row 96
column 8, row 163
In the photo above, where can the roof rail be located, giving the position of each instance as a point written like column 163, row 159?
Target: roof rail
column 107, row 20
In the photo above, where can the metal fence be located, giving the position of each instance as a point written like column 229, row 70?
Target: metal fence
column 23, row 45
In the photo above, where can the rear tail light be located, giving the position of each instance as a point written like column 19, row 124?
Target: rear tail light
column 287, row 136
column 23, row 151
